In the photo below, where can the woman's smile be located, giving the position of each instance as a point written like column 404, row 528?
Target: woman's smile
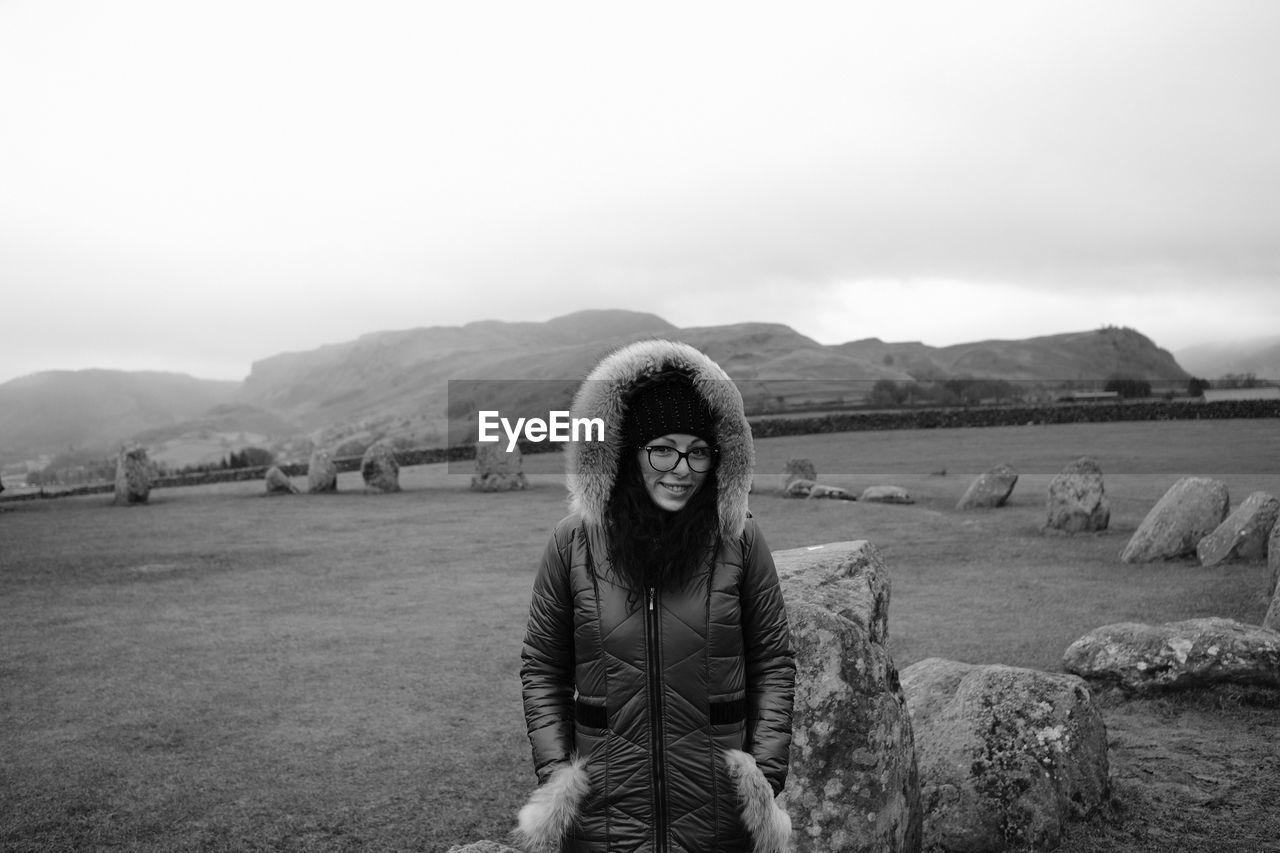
column 671, row 490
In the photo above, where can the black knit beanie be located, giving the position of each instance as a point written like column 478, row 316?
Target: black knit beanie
column 669, row 404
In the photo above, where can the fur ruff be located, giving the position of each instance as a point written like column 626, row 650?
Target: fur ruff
column 768, row 824
column 545, row 820
column 592, row 466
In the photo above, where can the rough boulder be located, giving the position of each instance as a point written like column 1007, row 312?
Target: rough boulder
column 1195, row 653
column 1190, row 510
column 798, row 469
column 1077, row 501
column 498, row 470
column 991, row 489
column 278, row 482
column 1243, row 536
column 322, row 473
column 853, row 784
column 133, row 476
column 886, row 495
column 1008, row 756
column 379, row 468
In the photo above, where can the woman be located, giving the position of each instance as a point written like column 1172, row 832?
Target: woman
column 657, row 666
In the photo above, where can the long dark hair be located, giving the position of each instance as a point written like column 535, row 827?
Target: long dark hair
column 650, row 546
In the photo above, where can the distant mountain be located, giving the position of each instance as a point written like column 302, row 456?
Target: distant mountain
column 1074, row 356
column 1259, row 356
column 398, row 383
column 59, row 410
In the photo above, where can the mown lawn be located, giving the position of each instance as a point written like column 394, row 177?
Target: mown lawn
column 219, row 670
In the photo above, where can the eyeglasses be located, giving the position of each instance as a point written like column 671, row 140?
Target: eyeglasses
column 664, row 458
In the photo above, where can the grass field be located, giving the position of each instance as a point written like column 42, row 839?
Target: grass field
column 219, row 670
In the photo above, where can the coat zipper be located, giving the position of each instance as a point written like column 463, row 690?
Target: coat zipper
column 655, row 725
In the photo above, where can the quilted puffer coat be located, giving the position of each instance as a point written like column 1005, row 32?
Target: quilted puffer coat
column 661, row 725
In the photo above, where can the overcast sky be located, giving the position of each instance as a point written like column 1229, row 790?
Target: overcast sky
column 193, row 186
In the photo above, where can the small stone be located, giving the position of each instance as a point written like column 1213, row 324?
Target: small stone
column 798, row 469
column 799, row 488
column 278, row 482
column 818, row 490
column 991, row 489
column 498, row 470
column 379, row 468
column 886, row 495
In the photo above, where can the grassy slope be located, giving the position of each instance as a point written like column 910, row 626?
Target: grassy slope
column 224, row 671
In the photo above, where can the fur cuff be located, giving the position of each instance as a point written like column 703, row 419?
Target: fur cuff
column 545, row 820
column 769, row 825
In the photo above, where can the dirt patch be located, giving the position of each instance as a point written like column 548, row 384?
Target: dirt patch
column 1192, row 771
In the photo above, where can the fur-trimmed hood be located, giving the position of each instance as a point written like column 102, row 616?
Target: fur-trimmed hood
column 592, row 466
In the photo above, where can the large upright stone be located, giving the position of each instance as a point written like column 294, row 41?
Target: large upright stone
column 133, row 476
column 991, row 489
column 1077, row 501
column 1008, row 756
column 1190, row 510
column 798, row 469
column 497, row 469
column 322, row 473
column 1243, row 536
column 1175, row 655
column 379, row 468
column 853, row 784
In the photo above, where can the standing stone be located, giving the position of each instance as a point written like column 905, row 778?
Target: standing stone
column 1077, row 501
column 853, row 784
column 1243, row 536
column 991, row 489
column 498, row 470
column 380, row 469
column 1008, row 756
column 322, row 473
column 1191, row 510
column 798, row 469
column 133, row 476
column 278, row 482
column 1175, row 655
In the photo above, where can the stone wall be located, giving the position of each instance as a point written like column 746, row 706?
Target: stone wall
column 984, row 416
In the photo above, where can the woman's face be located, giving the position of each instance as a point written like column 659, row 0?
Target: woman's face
column 671, row 490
